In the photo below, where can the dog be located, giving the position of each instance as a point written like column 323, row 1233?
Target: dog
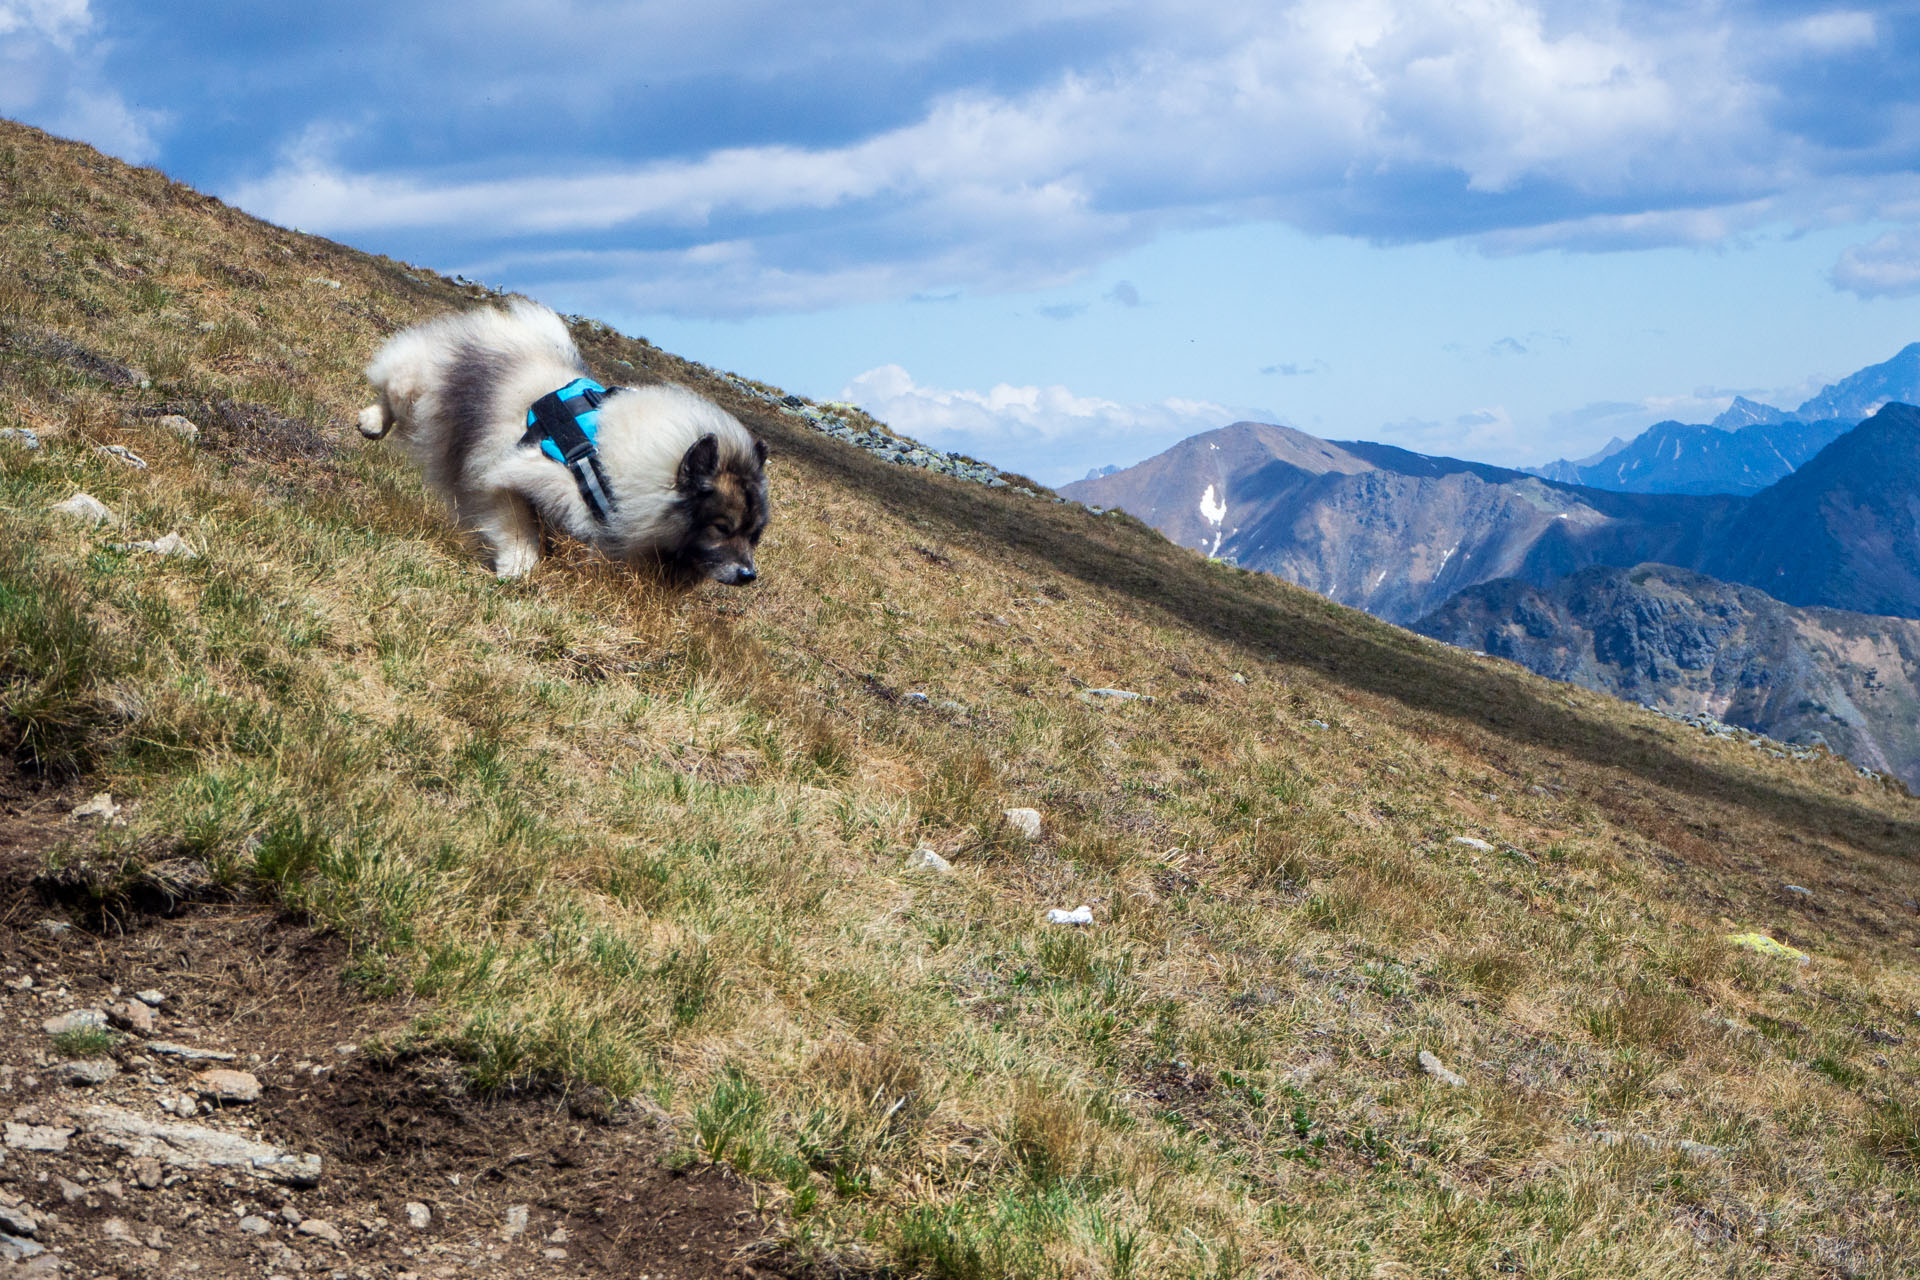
column 495, row 408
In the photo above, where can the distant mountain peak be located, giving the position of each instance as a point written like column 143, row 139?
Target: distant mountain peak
column 1745, row 413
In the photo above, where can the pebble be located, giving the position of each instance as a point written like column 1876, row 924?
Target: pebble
column 320, row 1229
column 419, row 1217
column 915, row 699
column 152, row 999
column 19, row 1220
column 146, row 1173
column 516, row 1223
column 1024, row 821
column 182, row 427
column 21, row 436
column 192, row 1146
column 120, row 453
column 14, row 1249
column 1113, row 695
column 87, row 1071
column 254, row 1225
column 117, row 1230
column 1440, row 1071
column 22, row 983
column 928, row 860
column 1470, row 842
column 223, row 1085
column 84, row 506
column 1798, row 890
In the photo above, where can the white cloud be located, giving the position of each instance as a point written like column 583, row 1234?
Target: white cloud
column 49, row 77
column 1049, row 433
column 1529, row 124
column 1886, row 267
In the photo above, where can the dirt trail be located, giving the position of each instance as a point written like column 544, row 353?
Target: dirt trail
column 418, row 1176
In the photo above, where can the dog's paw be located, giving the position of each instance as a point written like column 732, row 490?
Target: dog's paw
column 374, row 422
column 515, row 562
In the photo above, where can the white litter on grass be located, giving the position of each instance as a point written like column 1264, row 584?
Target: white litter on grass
column 1079, row 915
column 1114, row 695
column 121, row 453
column 171, row 545
column 101, row 806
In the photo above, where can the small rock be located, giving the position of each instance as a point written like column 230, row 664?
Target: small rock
column 1480, row 846
column 292, row 1216
column 1024, row 821
column 254, row 1225
column 419, row 1217
column 928, row 860
column 70, row 1191
column 1799, row 891
column 146, row 1173
column 1113, row 695
column 101, row 806
column 223, row 1085
column 516, row 1223
column 182, row 427
column 554, row 1255
column 188, row 1052
column 87, row 1071
column 20, row 436
column 131, row 1015
column 321, row 1229
column 54, row 928
column 19, row 1220
column 84, row 506
column 323, row 282
column 171, row 545
column 78, row 1020
column 22, row 983
column 1440, row 1071
column 558, row 1236
column 346, row 1049
column 14, row 1249
column 915, row 699
column 152, row 999
column 1079, row 915
column 120, row 453
column 117, row 1230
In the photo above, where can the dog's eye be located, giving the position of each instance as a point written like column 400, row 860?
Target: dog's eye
column 724, row 528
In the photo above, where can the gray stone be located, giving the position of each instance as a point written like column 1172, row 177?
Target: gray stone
column 21, row 436
column 182, row 427
column 170, row 546
column 1024, row 821
column 928, row 860
column 1113, row 695
column 101, row 806
column 152, row 999
column 191, row 1054
column 37, row 1137
column 1440, row 1071
column 192, row 1146
column 78, row 1020
column 1479, row 846
column 1799, row 891
column 516, row 1223
column 419, row 1217
column 117, row 1230
column 18, row 1220
column 87, row 1071
column 254, row 1225
column 320, row 1229
column 223, row 1085
column 14, row 1249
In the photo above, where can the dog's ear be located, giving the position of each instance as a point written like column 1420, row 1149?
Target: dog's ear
column 698, row 465
column 760, row 451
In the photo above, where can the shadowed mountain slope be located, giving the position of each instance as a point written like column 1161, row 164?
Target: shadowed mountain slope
column 656, row 853
column 1694, row 645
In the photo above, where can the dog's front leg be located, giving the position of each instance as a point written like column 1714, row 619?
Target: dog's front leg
column 510, row 527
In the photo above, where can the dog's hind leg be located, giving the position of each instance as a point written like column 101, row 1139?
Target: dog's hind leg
column 510, row 527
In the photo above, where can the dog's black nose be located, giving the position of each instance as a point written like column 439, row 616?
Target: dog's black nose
column 746, row 575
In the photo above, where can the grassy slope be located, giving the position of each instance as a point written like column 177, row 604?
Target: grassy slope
column 611, row 836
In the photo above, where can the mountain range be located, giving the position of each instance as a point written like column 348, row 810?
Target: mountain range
column 1401, row 535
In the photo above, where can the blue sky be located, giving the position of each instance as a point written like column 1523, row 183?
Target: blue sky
column 1066, row 235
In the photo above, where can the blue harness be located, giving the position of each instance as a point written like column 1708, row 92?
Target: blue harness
column 566, row 426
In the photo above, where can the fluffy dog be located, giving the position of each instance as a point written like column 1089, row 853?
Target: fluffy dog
column 671, row 477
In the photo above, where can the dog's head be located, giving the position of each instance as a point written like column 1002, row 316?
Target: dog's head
column 724, row 501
